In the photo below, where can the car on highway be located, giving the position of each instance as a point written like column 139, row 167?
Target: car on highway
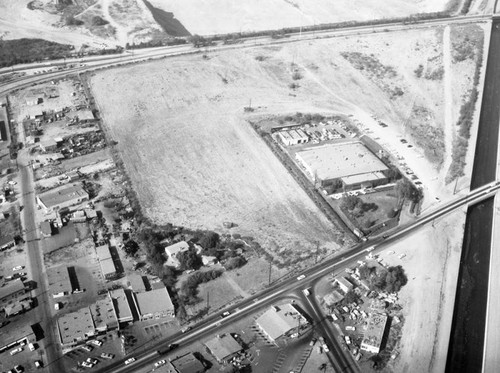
column 186, row 329
column 160, row 363
column 129, row 361
column 301, row 277
column 225, row 314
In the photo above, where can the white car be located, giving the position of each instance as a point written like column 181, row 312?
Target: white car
column 97, row 342
column 160, row 363
column 129, row 361
column 38, row 364
column 87, row 365
column 31, row 346
column 301, row 277
column 18, row 268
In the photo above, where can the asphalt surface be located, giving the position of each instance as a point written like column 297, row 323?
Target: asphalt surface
column 35, row 259
column 466, row 347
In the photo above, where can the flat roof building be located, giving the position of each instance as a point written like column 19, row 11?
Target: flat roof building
column 75, row 327
column 366, row 180
column 106, row 261
column 104, row 315
column 372, row 339
column 224, row 347
column 279, row 321
column 6, row 242
column 188, row 364
column 293, row 137
column 136, row 282
column 64, row 196
column 121, row 305
column 48, row 145
column 11, row 292
column 334, row 161
column 59, row 281
column 344, row 284
column 154, row 304
column 15, row 333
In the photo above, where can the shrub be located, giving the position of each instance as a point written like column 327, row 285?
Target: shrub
column 296, row 75
column 235, row 262
column 419, row 71
column 99, row 21
column 72, row 21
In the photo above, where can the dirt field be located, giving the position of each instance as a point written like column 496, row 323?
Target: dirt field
column 195, row 161
column 431, row 264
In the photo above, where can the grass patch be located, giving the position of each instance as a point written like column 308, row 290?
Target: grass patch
column 31, row 50
column 369, row 64
column 426, row 136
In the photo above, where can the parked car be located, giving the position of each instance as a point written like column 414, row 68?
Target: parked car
column 18, row 268
column 160, row 363
column 105, row 355
column 87, row 348
column 96, row 342
column 38, row 364
column 16, row 351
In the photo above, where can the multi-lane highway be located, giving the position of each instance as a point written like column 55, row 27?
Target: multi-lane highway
column 280, row 290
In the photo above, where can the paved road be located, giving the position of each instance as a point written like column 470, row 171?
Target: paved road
column 35, row 258
column 280, row 290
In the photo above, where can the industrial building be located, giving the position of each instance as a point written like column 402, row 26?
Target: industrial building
column 173, row 250
column 224, row 347
column 121, row 306
column 281, row 320
column 18, row 307
column 106, row 262
column 14, row 334
column 154, row 304
column 136, row 283
column 76, row 327
column 350, row 163
column 61, row 197
column 59, row 281
column 48, row 145
column 11, row 292
column 6, row 242
column 293, row 137
column 344, row 284
column 372, row 339
column 104, row 314
column 46, row 228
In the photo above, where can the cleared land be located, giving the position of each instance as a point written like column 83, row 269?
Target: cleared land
column 205, row 17
column 431, row 264
column 194, row 160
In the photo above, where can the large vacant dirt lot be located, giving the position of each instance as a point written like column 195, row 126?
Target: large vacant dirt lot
column 195, row 161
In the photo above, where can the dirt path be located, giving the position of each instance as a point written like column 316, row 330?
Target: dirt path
column 448, row 101
column 120, row 35
column 235, row 286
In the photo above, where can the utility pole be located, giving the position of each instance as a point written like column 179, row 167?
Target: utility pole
column 270, row 269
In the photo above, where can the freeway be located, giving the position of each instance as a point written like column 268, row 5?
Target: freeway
column 141, row 55
column 279, row 290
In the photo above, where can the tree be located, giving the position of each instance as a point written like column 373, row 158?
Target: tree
column 189, row 260
column 209, row 240
column 406, row 190
column 350, row 202
column 395, row 279
column 235, row 262
column 98, row 21
column 131, row 247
